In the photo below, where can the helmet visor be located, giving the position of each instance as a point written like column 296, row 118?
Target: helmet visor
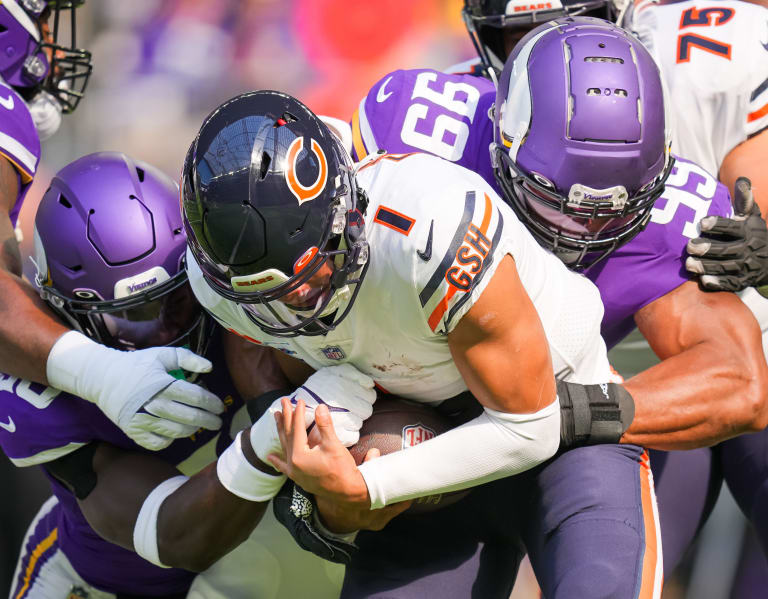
column 583, row 227
column 166, row 320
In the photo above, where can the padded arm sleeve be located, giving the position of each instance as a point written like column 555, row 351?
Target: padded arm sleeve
column 492, row 446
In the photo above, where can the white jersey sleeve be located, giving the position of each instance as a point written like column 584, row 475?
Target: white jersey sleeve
column 714, row 60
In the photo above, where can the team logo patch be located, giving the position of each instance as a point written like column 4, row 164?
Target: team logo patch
column 333, row 352
column 413, row 434
column 305, row 193
column 78, row 593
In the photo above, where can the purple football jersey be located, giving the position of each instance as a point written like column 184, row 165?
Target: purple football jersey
column 38, row 423
column 448, row 115
column 19, row 142
column 428, row 111
column 652, row 264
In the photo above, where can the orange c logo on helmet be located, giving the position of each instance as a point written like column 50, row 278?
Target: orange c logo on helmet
column 305, row 193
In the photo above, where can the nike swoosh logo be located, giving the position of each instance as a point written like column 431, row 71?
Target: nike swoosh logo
column 7, row 103
column 766, row 44
column 10, row 426
column 426, row 255
column 380, row 95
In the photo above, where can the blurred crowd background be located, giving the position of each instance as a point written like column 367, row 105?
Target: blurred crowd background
column 161, row 65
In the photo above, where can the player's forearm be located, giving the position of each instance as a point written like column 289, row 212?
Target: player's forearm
column 196, row 524
column 491, row 446
column 699, row 397
column 202, row 521
column 10, row 256
column 28, row 330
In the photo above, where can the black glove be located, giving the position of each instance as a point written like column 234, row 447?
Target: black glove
column 294, row 508
column 592, row 414
column 732, row 253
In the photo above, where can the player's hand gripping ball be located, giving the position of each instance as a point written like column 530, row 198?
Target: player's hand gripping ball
column 398, row 424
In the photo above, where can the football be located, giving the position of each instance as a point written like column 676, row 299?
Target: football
column 397, row 424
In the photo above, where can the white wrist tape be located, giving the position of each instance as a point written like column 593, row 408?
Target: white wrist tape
column 145, row 529
column 492, row 446
column 240, row 478
column 66, row 359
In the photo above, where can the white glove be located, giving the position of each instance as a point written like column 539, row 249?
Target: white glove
column 345, row 390
column 134, row 388
column 46, row 114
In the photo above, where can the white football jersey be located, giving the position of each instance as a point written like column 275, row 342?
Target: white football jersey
column 437, row 232
column 714, row 60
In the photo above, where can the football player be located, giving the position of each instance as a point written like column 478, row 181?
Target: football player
column 715, row 62
column 41, row 80
column 712, row 60
column 641, row 278
column 496, row 26
column 295, row 248
column 109, row 247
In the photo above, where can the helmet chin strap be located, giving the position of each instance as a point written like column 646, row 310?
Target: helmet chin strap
column 46, row 114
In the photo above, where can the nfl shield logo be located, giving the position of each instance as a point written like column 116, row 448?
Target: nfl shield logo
column 333, row 352
column 413, row 434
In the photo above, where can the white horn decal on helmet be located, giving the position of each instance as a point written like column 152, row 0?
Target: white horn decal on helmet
column 305, row 193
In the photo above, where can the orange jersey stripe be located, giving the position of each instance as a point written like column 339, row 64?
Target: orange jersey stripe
column 41, row 548
column 440, row 309
column 486, row 216
column 653, row 572
column 760, row 112
column 442, row 306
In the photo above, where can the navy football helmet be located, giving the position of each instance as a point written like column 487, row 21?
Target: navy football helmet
column 273, row 214
column 496, row 25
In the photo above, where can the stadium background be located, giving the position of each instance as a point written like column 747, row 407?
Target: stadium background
column 159, row 68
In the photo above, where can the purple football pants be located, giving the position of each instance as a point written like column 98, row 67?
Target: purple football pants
column 587, row 518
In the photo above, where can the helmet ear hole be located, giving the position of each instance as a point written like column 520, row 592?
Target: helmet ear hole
column 64, row 202
column 140, row 173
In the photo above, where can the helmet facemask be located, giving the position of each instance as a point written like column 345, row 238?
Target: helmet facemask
column 69, row 67
column 583, row 227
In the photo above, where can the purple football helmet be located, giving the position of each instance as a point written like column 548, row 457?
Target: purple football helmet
column 109, row 251
column 495, row 25
column 31, row 63
column 581, row 142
